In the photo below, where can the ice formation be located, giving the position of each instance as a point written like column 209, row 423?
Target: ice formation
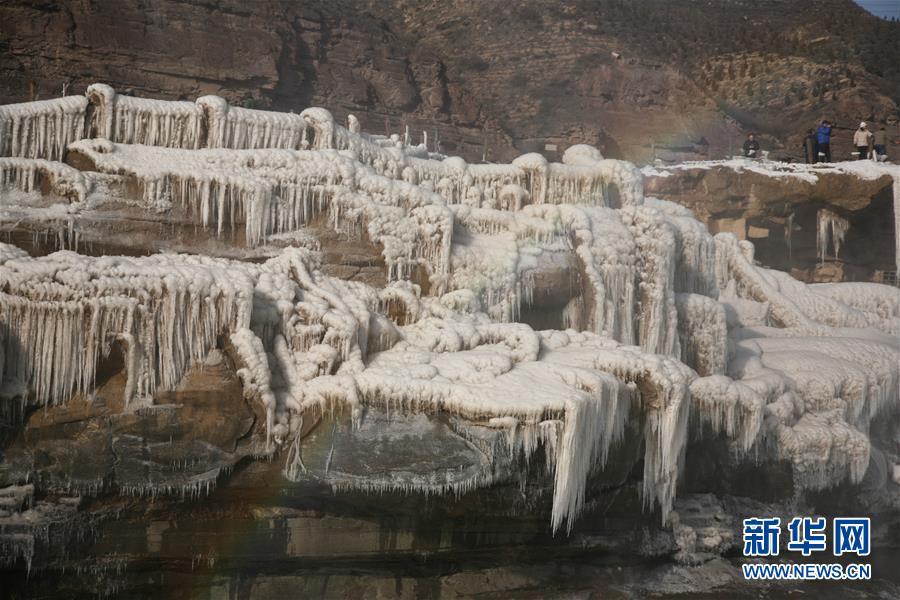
column 897, row 222
column 42, row 129
column 34, row 175
column 133, row 120
column 830, row 228
column 657, row 323
column 69, row 309
column 237, row 127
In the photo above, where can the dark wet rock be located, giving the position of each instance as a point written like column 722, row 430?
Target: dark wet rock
column 382, row 451
column 702, row 528
column 179, row 447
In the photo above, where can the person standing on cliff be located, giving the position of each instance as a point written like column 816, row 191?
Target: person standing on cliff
column 823, row 142
column 862, row 139
column 879, row 139
column 751, row 147
column 810, row 147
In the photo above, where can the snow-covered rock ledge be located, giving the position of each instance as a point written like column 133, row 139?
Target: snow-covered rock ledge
column 778, row 205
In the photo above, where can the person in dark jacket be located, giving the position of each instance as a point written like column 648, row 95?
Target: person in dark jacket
column 810, row 146
column 880, row 140
column 823, row 141
column 751, row 147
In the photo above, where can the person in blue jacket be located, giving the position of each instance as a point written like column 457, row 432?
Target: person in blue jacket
column 823, row 141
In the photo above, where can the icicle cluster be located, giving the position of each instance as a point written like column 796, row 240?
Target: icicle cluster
column 244, row 128
column 42, row 129
column 130, row 120
column 584, row 177
column 278, row 191
column 702, row 333
column 61, row 314
column 896, row 189
column 695, row 269
column 36, row 175
column 732, row 408
column 830, row 227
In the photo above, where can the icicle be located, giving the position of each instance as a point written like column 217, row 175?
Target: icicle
column 591, row 424
column 730, row 408
column 830, row 226
column 244, row 128
column 788, row 234
column 897, row 224
column 26, row 175
column 702, row 333
column 42, row 129
column 132, row 120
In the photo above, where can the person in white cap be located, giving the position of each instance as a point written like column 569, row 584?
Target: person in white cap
column 862, row 139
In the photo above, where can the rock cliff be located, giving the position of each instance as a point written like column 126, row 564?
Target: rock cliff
column 484, row 78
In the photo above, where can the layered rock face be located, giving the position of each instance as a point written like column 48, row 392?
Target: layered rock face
column 277, row 54
column 319, row 328
column 789, row 211
column 485, row 79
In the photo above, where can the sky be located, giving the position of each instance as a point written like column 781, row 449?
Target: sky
column 881, row 8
